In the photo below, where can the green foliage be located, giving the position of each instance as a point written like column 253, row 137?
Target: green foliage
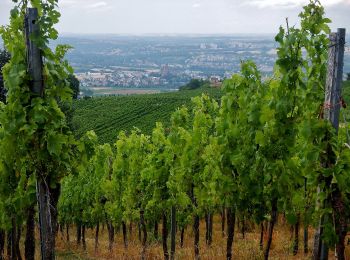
column 82, row 193
column 107, row 116
column 346, row 91
column 273, row 136
column 264, row 145
column 196, row 84
column 35, row 140
column 4, row 58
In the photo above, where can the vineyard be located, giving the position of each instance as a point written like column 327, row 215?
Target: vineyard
column 230, row 172
column 107, row 116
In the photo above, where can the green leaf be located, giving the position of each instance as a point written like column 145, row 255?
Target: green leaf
column 260, row 138
column 55, row 143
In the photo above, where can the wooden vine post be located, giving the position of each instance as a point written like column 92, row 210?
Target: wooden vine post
column 334, row 78
column 332, row 105
column 34, row 57
column 35, row 68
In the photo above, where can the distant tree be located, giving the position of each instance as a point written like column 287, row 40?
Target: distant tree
column 348, row 76
column 75, row 85
column 87, row 93
column 194, row 84
column 4, row 58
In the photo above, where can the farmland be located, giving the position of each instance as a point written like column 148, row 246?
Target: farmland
column 108, row 115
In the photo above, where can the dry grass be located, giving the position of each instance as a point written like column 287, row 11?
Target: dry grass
column 247, row 248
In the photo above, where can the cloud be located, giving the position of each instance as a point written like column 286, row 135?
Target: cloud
column 290, row 3
column 87, row 4
column 67, row 3
column 183, row 16
column 97, row 5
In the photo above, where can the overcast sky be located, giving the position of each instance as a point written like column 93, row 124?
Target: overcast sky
column 183, row 16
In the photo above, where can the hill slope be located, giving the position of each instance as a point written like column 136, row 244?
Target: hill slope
column 107, row 116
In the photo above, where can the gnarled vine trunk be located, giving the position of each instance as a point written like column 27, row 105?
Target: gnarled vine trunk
column 165, row 236
column 46, row 225
column 29, row 243
column 110, row 235
column 223, row 221
column 306, row 238
column 209, row 228
column 144, row 231
column 173, row 233
column 67, row 232
column 78, row 233
column 231, row 219
column 296, row 236
column 97, row 232
column 182, row 237
column 18, row 238
column 2, row 244
column 9, row 251
column 271, row 226
column 83, row 237
column 243, row 227
column 340, row 221
column 155, row 231
column 195, row 225
column 13, row 237
column 130, row 230
column 306, row 225
column 139, row 232
column 125, row 238
column 54, row 197
column 261, row 244
column 196, row 236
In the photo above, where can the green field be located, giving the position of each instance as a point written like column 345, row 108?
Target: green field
column 107, row 116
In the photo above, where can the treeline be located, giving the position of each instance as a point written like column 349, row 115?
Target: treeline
column 195, row 84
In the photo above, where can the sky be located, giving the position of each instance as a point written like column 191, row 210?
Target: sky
column 183, row 16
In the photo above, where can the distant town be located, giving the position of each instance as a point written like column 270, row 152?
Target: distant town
column 106, row 64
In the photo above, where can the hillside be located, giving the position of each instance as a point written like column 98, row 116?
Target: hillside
column 107, row 116
column 346, row 91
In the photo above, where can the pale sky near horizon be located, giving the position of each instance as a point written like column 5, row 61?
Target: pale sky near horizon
column 183, row 16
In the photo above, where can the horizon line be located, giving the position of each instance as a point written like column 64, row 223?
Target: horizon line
column 167, row 34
